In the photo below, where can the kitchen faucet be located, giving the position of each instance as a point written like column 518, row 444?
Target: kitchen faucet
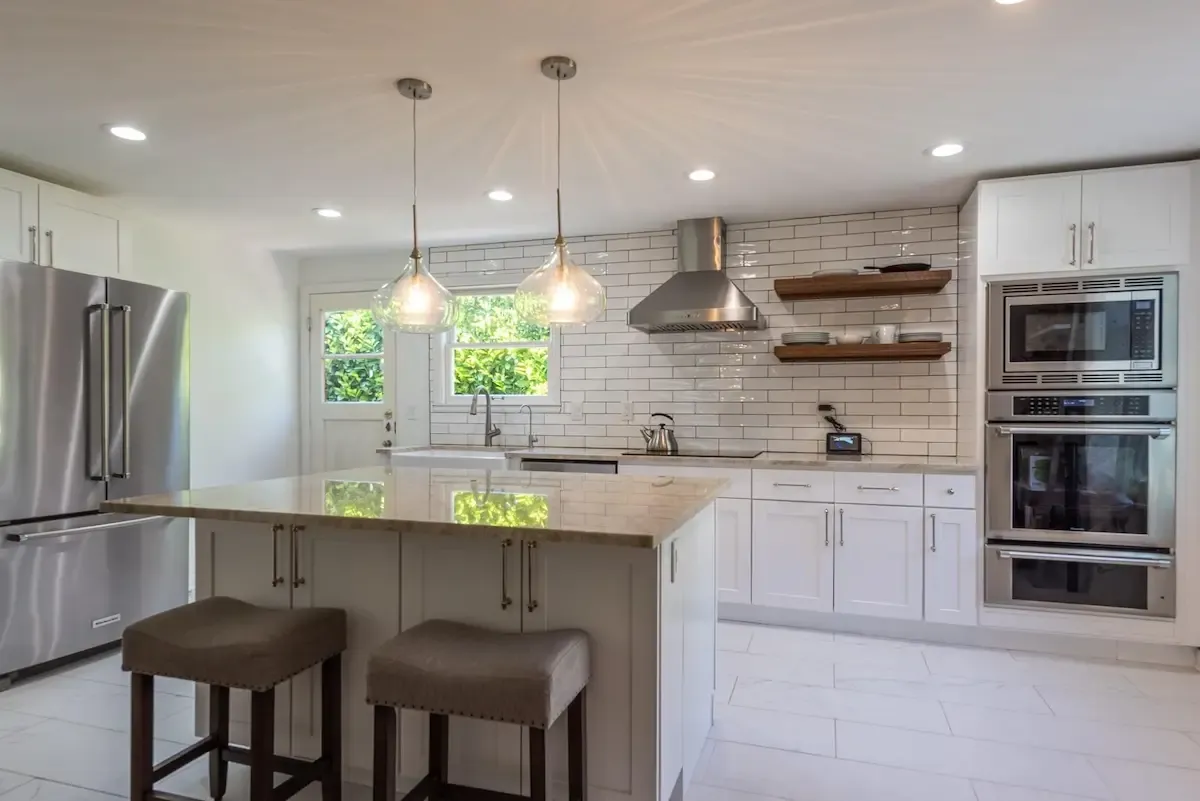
column 490, row 431
column 532, row 439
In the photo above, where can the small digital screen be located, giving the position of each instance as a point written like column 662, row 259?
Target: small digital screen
column 843, row 443
column 1078, row 402
column 1143, row 304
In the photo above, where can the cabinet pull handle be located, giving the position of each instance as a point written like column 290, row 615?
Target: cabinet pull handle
column 674, row 561
column 1074, row 244
column 842, row 527
column 297, row 580
column 530, row 549
column 861, row 488
column 276, row 530
column 505, row 599
column 49, row 248
column 784, row 484
column 826, row 528
column 933, row 533
column 33, row 243
column 1091, row 243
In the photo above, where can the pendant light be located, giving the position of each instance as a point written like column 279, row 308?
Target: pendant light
column 415, row 303
column 560, row 291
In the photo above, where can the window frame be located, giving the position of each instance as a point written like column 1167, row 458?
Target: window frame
column 443, row 361
column 326, row 356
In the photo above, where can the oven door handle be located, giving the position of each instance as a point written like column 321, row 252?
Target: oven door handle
column 1090, row 557
column 1157, row 432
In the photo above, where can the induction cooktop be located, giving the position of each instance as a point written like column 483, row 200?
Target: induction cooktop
column 726, row 454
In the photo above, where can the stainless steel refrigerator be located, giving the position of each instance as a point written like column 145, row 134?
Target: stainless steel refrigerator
column 93, row 406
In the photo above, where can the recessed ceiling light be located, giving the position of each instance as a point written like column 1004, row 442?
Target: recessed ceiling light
column 503, row 195
column 126, row 132
column 948, row 149
column 1009, row 2
column 330, row 213
column 702, row 175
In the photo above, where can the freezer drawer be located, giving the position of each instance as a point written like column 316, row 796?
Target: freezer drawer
column 74, row 584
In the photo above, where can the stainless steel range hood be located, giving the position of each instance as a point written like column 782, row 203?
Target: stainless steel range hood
column 699, row 297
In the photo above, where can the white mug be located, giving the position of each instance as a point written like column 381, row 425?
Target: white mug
column 885, row 334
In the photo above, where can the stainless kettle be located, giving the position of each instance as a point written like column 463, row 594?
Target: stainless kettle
column 662, row 439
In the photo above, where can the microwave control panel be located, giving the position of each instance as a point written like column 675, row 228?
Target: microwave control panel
column 1143, row 323
column 1082, row 405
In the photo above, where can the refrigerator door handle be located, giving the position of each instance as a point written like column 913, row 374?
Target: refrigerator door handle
column 127, row 381
column 48, row 535
column 105, row 388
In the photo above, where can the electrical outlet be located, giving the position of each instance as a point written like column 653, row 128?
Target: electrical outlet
column 626, row 412
column 575, row 410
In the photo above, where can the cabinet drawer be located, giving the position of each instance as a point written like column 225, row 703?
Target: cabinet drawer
column 739, row 478
column 884, row 489
column 793, row 485
column 950, row 492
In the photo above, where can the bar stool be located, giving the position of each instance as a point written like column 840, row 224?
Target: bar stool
column 446, row 668
column 226, row 643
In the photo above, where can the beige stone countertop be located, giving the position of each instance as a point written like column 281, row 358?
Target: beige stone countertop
column 599, row 509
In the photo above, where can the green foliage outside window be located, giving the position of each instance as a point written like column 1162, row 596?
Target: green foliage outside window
column 501, row 370
column 513, row 510
column 354, row 498
column 354, row 380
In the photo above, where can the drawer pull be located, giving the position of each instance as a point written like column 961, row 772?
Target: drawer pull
column 785, row 484
column 861, row 488
column 950, row 491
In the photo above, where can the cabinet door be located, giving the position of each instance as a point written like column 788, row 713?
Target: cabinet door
column 358, row 571
column 18, row 216
column 1137, row 217
column 81, row 233
column 734, row 536
column 951, row 566
column 1030, row 225
column 793, row 555
column 697, row 571
column 250, row 562
column 879, row 563
column 459, row 579
column 670, row 672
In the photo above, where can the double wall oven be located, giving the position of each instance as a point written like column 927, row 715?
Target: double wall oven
column 1080, row 488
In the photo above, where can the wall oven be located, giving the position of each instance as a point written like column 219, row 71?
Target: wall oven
column 1101, row 331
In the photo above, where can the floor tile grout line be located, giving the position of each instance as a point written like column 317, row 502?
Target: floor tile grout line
column 59, row 783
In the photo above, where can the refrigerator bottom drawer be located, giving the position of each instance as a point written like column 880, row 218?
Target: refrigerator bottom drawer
column 66, row 594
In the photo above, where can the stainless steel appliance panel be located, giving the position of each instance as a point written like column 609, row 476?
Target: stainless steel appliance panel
column 1083, row 406
column 567, row 466
column 149, row 413
column 1107, row 484
column 50, row 327
column 73, row 584
column 1080, row 579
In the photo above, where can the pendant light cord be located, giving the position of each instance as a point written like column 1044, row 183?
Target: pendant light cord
column 558, row 156
column 416, row 251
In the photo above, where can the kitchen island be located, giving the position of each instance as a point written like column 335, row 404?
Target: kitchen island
column 628, row 559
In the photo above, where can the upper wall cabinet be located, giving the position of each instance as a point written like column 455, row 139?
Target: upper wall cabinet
column 1129, row 217
column 57, row 227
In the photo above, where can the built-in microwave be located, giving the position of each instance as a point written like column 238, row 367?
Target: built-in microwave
column 1119, row 331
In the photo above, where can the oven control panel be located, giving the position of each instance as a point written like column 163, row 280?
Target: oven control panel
column 1082, row 405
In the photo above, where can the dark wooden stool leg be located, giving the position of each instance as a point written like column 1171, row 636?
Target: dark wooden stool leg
column 385, row 754
column 218, row 725
column 577, row 748
column 537, row 764
column 439, row 752
column 331, row 728
column 141, row 740
column 262, row 745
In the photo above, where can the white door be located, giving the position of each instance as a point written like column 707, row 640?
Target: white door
column 1137, row 217
column 878, row 568
column 951, row 566
column 473, row 582
column 734, row 537
column 793, row 555
column 18, row 217
column 81, row 233
column 1030, row 225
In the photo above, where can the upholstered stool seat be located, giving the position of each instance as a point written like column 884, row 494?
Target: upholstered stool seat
column 447, row 668
column 226, row 643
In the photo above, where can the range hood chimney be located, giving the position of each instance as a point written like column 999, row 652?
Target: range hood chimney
column 699, row 297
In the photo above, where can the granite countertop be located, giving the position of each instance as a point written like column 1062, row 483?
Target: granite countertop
column 600, row 509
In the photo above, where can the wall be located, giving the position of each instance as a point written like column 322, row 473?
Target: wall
column 244, row 348
column 728, row 389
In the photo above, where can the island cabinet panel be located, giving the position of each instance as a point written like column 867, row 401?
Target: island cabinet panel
column 358, row 571
column 670, row 672
column 697, row 571
column 879, row 562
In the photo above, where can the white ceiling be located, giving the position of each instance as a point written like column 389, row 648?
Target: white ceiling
column 260, row 110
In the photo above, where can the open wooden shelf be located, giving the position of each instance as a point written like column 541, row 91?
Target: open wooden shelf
column 906, row 351
column 925, row 282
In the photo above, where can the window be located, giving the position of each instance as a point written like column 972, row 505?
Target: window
column 352, row 357
column 492, row 347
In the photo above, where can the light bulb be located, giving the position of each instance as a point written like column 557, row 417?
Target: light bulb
column 414, row 303
column 565, row 298
column 560, row 292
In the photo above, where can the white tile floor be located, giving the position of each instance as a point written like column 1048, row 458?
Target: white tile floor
column 801, row 715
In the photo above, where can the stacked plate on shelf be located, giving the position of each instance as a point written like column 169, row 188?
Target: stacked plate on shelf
column 919, row 336
column 806, row 338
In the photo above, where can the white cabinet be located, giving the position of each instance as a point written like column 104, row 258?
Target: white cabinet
column 1136, row 217
column 793, row 555
column 1120, row 218
column 734, row 550
column 878, row 566
column 951, row 566
column 696, row 568
column 18, row 217
column 670, row 679
column 81, row 233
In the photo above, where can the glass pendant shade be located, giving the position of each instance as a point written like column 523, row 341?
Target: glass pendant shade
column 560, row 292
column 414, row 303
